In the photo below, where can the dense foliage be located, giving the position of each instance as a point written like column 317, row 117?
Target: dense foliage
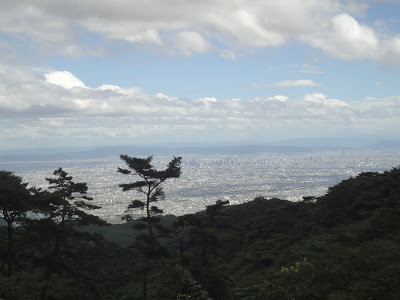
column 343, row 245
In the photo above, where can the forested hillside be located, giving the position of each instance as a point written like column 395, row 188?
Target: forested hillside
column 343, row 245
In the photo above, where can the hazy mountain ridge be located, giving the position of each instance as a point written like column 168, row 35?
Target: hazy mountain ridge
column 101, row 152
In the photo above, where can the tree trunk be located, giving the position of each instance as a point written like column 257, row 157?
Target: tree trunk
column 149, row 222
column 9, row 249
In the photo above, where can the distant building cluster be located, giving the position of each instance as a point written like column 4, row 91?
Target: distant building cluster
column 207, row 178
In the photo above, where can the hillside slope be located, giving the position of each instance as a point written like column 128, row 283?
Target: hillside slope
column 343, row 245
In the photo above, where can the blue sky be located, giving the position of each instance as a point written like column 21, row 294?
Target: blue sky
column 91, row 73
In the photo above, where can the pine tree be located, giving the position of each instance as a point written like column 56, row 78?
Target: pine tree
column 14, row 205
column 68, row 204
column 149, row 184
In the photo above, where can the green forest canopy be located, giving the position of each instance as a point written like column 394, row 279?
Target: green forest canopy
column 342, row 245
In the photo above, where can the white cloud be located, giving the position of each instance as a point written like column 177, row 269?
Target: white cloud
column 308, row 69
column 345, row 38
column 321, row 99
column 131, row 31
column 228, row 54
column 189, row 42
column 105, row 87
column 279, row 98
column 195, row 27
column 296, row 83
column 39, row 112
column 64, row 79
column 372, row 108
column 208, row 99
column 250, row 31
column 353, row 38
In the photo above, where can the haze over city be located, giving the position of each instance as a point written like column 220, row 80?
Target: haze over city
column 82, row 74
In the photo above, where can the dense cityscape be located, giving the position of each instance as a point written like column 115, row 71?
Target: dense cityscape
column 207, row 178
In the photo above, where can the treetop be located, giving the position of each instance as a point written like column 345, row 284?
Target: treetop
column 143, row 167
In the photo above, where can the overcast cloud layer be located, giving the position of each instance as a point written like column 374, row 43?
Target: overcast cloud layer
column 196, row 27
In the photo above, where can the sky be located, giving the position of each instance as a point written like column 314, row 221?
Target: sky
column 222, row 72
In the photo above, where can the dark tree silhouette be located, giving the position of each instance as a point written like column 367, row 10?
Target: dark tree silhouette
column 14, row 204
column 68, row 204
column 148, row 183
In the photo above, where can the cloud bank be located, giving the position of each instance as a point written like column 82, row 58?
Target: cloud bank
column 196, row 27
column 59, row 109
